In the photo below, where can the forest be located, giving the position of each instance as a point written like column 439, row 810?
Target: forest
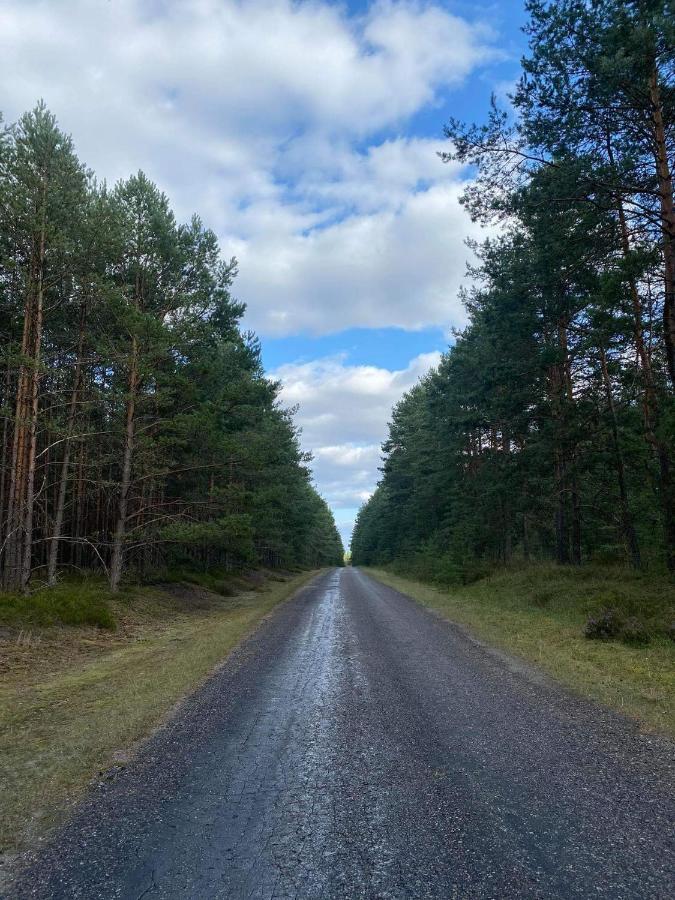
column 138, row 430
column 547, row 432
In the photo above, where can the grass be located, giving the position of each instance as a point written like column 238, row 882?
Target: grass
column 84, row 602
column 73, row 701
column 539, row 613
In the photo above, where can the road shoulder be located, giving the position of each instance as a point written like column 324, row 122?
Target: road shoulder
column 638, row 682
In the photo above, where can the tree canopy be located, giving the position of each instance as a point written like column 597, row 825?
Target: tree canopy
column 139, row 430
column 548, row 429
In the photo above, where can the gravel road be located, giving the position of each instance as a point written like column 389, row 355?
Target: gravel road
column 356, row 746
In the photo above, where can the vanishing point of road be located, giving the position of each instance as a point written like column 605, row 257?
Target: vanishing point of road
column 357, row 746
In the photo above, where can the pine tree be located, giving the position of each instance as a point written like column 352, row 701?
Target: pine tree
column 43, row 186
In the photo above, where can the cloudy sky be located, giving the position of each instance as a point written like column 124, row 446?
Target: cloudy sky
column 305, row 134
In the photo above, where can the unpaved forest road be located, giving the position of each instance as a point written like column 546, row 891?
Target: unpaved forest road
column 357, row 746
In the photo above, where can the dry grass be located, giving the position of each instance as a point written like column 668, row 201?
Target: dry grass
column 539, row 612
column 74, row 701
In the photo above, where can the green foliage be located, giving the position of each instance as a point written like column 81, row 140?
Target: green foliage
column 635, row 633
column 547, row 430
column 609, row 624
column 128, row 391
column 73, row 602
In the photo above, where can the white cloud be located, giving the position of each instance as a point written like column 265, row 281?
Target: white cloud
column 401, row 266
column 267, row 116
column 221, row 73
column 341, row 404
column 343, row 411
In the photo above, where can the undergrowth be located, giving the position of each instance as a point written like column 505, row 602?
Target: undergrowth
column 77, row 601
column 72, row 602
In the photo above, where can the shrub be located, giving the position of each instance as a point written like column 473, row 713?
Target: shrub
column 609, row 624
column 85, row 611
column 604, row 626
column 634, row 633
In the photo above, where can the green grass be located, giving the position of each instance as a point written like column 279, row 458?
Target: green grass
column 65, row 720
column 85, row 602
column 539, row 613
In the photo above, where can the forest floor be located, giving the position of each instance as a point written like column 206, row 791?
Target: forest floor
column 539, row 613
column 75, row 699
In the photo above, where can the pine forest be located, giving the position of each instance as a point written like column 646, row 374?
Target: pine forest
column 547, row 432
column 138, row 429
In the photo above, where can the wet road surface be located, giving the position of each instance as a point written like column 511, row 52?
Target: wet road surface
column 359, row 747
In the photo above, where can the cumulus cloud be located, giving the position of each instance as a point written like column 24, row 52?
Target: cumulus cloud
column 399, row 267
column 352, row 402
column 302, row 63
column 343, row 410
column 278, row 122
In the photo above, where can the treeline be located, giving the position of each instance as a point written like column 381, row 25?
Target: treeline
column 548, row 430
column 137, row 429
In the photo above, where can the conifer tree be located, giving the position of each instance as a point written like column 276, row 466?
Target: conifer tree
column 138, row 430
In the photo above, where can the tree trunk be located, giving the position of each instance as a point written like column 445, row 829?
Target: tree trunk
column 665, row 187
column 506, row 514
column 4, row 461
column 82, row 526
column 562, row 549
column 526, row 539
column 18, row 464
column 562, row 553
column 667, row 493
column 651, row 406
column 65, row 463
column 34, row 403
column 574, row 485
column 120, row 528
column 19, row 539
column 629, row 534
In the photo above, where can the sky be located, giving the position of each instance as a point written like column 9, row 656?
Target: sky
column 305, row 134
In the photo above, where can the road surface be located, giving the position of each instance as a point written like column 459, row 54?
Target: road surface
column 359, row 747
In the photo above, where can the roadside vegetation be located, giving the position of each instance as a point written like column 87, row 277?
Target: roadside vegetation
column 540, row 613
column 75, row 700
column 547, row 431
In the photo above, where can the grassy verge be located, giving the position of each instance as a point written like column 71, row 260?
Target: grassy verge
column 539, row 614
column 73, row 700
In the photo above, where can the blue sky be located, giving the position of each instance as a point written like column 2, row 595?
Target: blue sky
column 305, row 134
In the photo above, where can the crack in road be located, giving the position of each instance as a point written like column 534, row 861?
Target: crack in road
column 357, row 746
